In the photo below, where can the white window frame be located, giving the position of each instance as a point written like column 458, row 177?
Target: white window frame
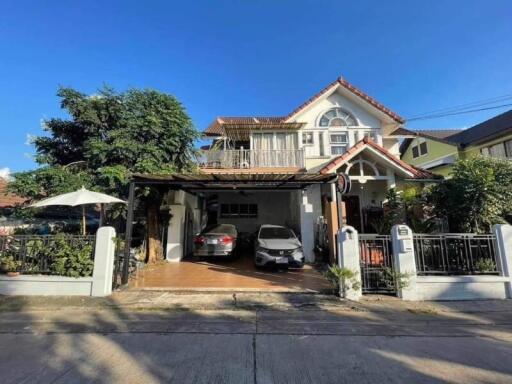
column 338, row 144
column 274, row 138
column 344, row 146
column 345, row 110
column 338, row 133
column 312, row 133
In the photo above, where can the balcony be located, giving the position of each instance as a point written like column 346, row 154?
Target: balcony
column 251, row 158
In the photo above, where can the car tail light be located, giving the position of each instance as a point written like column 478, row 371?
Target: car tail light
column 199, row 240
column 227, row 239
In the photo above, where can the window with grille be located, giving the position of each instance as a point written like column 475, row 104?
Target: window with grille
column 238, row 211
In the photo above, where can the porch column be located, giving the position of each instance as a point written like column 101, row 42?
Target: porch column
column 175, row 233
column 391, row 178
column 404, row 262
column 307, row 221
column 503, row 233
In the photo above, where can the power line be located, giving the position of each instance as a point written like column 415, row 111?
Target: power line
column 458, row 113
column 462, row 107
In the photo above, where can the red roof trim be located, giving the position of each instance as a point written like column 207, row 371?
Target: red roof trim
column 356, row 91
column 215, row 128
column 338, row 161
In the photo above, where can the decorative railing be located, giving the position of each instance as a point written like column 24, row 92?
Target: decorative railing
column 251, row 158
column 455, row 254
column 46, row 254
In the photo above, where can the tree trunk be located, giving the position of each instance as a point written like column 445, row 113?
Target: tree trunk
column 155, row 252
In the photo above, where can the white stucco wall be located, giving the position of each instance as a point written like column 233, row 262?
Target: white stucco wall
column 39, row 285
column 366, row 121
column 461, row 287
column 312, row 114
column 274, row 207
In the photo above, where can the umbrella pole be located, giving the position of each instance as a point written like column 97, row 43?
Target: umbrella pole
column 83, row 220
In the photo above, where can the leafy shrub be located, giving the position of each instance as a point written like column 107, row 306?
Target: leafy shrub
column 71, row 260
column 485, row 265
column 58, row 255
column 9, row 264
column 342, row 279
column 395, row 279
column 478, row 195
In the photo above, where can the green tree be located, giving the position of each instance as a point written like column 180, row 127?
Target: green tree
column 477, row 196
column 107, row 137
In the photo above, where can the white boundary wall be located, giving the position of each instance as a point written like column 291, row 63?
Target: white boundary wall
column 469, row 287
column 100, row 284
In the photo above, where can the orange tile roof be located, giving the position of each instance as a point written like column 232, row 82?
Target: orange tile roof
column 338, row 161
column 7, row 199
column 216, row 127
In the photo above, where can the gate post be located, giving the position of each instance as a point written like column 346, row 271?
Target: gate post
column 104, row 254
column 404, row 262
column 503, row 233
column 348, row 257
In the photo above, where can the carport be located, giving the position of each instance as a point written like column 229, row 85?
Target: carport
column 245, row 199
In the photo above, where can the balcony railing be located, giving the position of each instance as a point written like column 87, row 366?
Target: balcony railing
column 251, row 158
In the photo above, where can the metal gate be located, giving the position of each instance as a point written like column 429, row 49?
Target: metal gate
column 376, row 258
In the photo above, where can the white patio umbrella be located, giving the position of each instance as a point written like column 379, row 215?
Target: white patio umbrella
column 81, row 197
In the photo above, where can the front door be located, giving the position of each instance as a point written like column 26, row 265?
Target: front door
column 353, row 212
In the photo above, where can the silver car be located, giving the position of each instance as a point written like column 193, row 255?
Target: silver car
column 216, row 240
column 278, row 246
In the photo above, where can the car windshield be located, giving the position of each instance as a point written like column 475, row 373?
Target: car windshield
column 276, row 233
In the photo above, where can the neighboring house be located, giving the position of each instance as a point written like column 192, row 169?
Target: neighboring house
column 282, row 169
column 437, row 150
column 7, row 200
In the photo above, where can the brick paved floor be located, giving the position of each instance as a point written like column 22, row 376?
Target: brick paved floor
column 239, row 274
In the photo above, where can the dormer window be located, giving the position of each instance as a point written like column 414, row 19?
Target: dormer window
column 337, row 117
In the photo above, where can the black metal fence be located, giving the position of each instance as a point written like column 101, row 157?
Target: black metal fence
column 38, row 254
column 376, row 260
column 455, row 254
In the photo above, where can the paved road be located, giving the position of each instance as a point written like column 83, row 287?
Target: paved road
column 369, row 344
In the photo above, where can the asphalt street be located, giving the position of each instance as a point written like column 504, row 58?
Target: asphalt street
column 370, row 343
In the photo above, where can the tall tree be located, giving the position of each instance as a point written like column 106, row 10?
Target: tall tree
column 107, row 137
column 478, row 195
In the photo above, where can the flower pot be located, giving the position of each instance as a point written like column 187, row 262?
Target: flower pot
column 13, row 274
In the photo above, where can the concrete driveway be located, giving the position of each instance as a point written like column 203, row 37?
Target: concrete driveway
column 325, row 342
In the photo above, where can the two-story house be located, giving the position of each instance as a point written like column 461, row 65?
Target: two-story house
column 438, row 150
column 280, row 169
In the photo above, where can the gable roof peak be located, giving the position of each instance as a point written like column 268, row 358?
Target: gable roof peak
column 341, row 82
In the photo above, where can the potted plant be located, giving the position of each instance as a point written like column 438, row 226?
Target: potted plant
column 10, row 266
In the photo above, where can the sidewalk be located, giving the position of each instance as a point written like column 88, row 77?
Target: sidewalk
column 161, row 300
column 157, row 337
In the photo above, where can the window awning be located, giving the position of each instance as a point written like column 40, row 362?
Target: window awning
column 235, row 181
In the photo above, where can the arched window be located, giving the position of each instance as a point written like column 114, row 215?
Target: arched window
column 337, row 117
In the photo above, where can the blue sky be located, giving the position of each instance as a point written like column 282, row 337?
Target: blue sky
column 250, row 57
